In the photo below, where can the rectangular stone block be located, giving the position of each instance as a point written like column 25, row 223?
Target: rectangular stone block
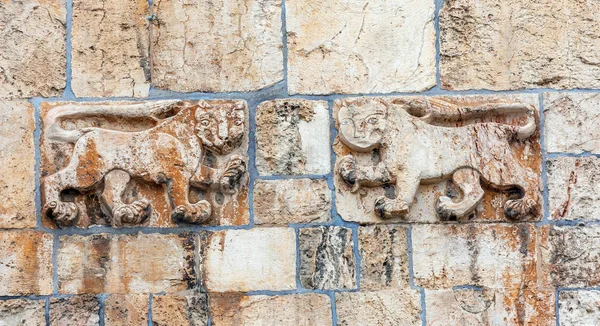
column 481, row 306
column 383, row 257
column 574, row 188
column 216, row 46
column 126, row 309
column 492, row 255
column 278, row 202
column 571, row 122
column 33, row 47
column 378, row 46
column 292, row 137
column 17, row 165
column 391, row 307
column 248, row 260
column 127, row 263
column 180, row 310
column 80, row 310
column 327, row 258
column 21, row 312
column 510, row 44
column 296, row 309
column 25, row 263
column 110, row 48
column 579, row 308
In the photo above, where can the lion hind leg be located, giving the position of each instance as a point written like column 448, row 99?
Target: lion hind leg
column 469, row 182
column 525, row 182
column 184, row 211
column 63, row 213
column 115, row 183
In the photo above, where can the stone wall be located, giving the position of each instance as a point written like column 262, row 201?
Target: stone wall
column 176, row 162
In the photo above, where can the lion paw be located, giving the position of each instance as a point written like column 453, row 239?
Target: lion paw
column 232, row 174
column 390, row 208
column 445, row 209
column 193, row 213
column 134, row 213
column 63, row 213
column 347, row 167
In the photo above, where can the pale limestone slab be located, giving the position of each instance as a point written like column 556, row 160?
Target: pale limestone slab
column 21, row 312
column 391, row 307
column 126, row 309
column 383, row 257
column 579, row 308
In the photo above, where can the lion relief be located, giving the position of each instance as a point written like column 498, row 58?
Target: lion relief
column 424, row 141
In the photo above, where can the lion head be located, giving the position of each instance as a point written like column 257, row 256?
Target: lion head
column 220, row 128
column 362, row 128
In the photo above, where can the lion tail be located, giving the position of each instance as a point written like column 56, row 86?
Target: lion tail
column 527, row 130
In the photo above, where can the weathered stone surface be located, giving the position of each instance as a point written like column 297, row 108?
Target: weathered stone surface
column 110, row 48
column 291, row 201
column 180, row 310
column 33, row 47
column 571, row 122
column 260, row 310
column 569, row 256
column 393, row 307
column 474, row 307
column 248, row 260
column 363, row 47
column 519, row 44
column 151, row 163
column 292, row 137
column 17, row 165
column 126, row 309
column 22, row 312
column 579, row 308
column 574, row 188
column 80, row 310
column 430, row 154
column 124, row 263
column 327, row 258
column 491, row 255
column 25, row 263
column 217, row 46
column 384, row 257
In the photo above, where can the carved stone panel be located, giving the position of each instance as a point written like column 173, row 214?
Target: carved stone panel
column 144, row 163
column 430, row 159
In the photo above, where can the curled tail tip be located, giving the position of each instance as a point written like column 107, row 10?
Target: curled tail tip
column 527, row 130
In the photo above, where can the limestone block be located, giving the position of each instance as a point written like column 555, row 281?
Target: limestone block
column 327, row 258
column 571, row 122
column 20, row 312
column 423, row 159
column 391, row 307
column 292, row 137
column 574, row 188
column 126, row 309
column 279, row 202
column 365, row 46
column 489, row 255
column 180, row 310
column 152, row 163
column 248, row 260
column 579, row 308
column 142, row 263
column 384, row 257
column 25, row 263
column 511, row 44
column 17, row 165
column 81, row 310
column 33, row 47
column 110, row 48
column 216, row 46
column 234, row 309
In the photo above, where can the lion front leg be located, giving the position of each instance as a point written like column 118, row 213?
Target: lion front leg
column 407, row 184
column 115, row 183
column 224, row 180
column 359, row 176
column 184, row 211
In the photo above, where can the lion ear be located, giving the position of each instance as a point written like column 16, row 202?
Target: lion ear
column 203, row 104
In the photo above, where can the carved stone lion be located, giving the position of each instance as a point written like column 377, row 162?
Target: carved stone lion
column 419, row 142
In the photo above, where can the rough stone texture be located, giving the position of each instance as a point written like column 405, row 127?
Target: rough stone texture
column 569, row 256
column 20, row 312
column 292, row 137
column 571, row 122
column 510, row 44
column 141, row 263
column 81, row 310
column 17, row 165
column 259, row 310
column 520, row 157
column 126, row 309
column 579, row 308
column 216, row 46
column 393, row 307
column 180, row 310
column 476, row 306
column 291, row 201
column 110, row 48
column 574, row 188
column 327, row 258
column 492, row 255
column 384, row 257
column 25, row 263
column 360, row 47
column 248, row 260
column 33, row 47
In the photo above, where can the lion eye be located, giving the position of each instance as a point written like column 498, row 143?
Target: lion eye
column 205, row 123
column 345, row 122
column 238, row 122
column 372, row 121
